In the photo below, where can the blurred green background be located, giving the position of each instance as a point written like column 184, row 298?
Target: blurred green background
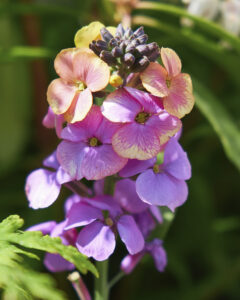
column 203, row 243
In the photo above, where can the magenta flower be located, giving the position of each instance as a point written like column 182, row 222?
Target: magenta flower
column 162, row 184
column 81, row 73
column 102, row 218
column 175, row 87
column 155, row 249
column 54, row 262
column 43, row 186
column 146, row 126
column 87, row 151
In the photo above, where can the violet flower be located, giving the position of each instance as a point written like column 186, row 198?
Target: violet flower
column 162, row 184
column 146, row 125
column 155, row 249
column 86, row 150
column 102, row 218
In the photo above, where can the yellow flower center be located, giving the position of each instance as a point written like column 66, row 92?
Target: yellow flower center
column 115, row 80
column 93, row 142
column 168, row 82
column 80, row 85
column 156, row 169
column 142, row 117
column 109, row 222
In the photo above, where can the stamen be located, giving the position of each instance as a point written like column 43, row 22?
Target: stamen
column 80, row 85
column 109, row 222
column 142, row 117
column 94, row 142
column 156, row 169
column 168, row 83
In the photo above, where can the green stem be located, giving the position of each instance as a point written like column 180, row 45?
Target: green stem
column 115, row 279
column 101, row 283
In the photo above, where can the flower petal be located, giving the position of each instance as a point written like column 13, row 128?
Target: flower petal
column 96, row 240
column 129, row 262
column 63, row 64
column 81, row 105
column 45, row 227
column 51, row 161
column 119, row 106
column 134, row 167
column 154, row 80
column 55, row 263
column 41, row 188
column 126, row 196
column 82, row 214
column 62, row 177
column 171, row 62
column 176, row 161
column 91, row 70
column 83, row 130
column 130, row 234
column 70, row 156
column 180, row 100
column 100, row 162
column 136, row 141
column 161, row 189
column 158, row 253
column 87, row 34
column 60, row 95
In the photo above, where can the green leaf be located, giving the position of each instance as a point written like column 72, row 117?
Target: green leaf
column 208, row 26
column 16, row 279
column 220, row 120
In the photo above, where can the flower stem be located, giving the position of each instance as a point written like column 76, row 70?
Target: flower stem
column 115, row 279
column 101, row 283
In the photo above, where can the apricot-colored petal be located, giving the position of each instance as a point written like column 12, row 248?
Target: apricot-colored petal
column 171, row 62
column 63, row 64
column 80, row 107
column 180, row 100
column 154, row 80
column 87, row 34
column 60, row 95
column 91, row 70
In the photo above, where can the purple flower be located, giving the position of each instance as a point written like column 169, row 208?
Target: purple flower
column 102, row 218
column 146, row 125
column 43, row 186
column 153, row 248
column 162, row 184
column 54, row 262
column 87, row 148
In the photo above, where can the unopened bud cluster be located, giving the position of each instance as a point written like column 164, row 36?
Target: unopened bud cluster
column 127, row 50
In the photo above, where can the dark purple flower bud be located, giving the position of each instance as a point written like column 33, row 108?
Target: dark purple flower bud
column 108, row 57
column 105, row 34
column 122, row 46
column 142, row 39
column 143, row 49
column 154, row 55
column 94, row 48
column 128, row 33
column 132, row 46
column 140, row 65
column 153, row 46
column 120, row 31
column 101, row 45
column 117, row 52
column 113, row 42
column 139, row 32
column 129, row 59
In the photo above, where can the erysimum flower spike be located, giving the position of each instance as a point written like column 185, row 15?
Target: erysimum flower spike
column 81, row 73
column 175, row 87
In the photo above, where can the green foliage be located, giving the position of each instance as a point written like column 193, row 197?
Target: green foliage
column 16, row 279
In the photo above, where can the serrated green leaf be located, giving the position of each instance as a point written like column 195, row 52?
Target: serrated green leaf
column 11, row 224
column 35, row 240
column 221, row 121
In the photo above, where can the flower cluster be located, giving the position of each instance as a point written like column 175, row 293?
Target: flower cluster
column 129, row 145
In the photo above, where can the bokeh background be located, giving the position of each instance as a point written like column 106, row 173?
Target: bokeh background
column 203, row 243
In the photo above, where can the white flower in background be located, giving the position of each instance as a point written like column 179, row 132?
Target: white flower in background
column 203, row 8
column 230, row 16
